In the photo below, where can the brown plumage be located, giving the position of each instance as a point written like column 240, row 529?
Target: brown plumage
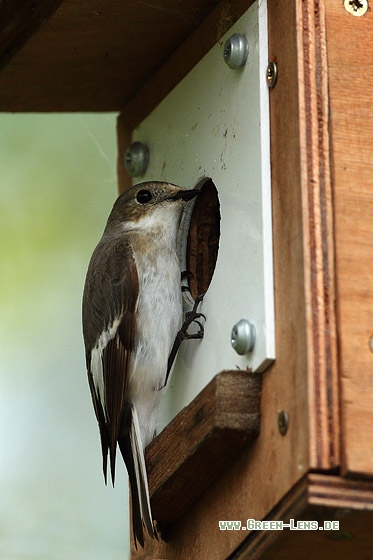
column 132, row 312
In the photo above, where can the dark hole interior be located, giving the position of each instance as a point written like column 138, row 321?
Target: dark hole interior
column 203, row 239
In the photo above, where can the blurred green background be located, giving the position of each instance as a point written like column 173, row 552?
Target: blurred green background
column 58, row 183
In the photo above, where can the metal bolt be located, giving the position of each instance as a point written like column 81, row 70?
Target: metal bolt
column 356, row 7
column 271, row 74
column 283, row 422
column 136, row 159
column 243, row 337
column 236, row 50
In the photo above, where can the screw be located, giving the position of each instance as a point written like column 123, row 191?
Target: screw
column 243, row 337
column 271, row 74
column 370, row 343
column 136, row 159
column 283, row 422
column 236, row 50
column 356, row 7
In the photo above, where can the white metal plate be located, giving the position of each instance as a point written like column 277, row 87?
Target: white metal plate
column 215, row 124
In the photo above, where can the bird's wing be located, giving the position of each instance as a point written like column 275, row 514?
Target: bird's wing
column 109, row 305
column 109, row 327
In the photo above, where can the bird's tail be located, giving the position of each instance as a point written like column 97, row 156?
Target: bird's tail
column 132, row 451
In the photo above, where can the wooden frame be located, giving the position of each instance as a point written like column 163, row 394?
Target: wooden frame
column 322, row 180
column 308, row 311
column 323, row 381
column 317, row 498
column 351, row 135
column 76, row 57
column 20, row 19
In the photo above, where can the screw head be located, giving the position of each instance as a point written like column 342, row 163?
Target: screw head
column 136, row 159
column 243, row 337
column 271, row 74
column 370, row 343
column 283, row 422
column 236, row 50
column 356, row 7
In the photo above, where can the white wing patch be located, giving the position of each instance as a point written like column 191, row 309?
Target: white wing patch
column 97, row 369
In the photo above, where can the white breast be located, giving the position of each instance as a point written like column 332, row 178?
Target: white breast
column 158, row 319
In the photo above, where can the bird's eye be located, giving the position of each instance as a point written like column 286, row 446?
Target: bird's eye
column 143, row 196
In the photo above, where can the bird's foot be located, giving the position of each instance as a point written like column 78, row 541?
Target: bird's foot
column 192, row 316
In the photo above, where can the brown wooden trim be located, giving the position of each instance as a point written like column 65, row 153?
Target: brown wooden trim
column 323, row 388
column 315, row 497
column 201, row 441
column 290, row 507
column 183, row 60
column 19, row 21
column 351, row 539
column 335, row 491
column 351, row 124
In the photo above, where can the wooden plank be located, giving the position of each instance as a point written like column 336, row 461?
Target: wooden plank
column 351, row 121
column 318, row 235
column 183, row 60
column 95, row 55
column 320, row 498
column 201, row 441
column 256, row 543
column 354, row 539
column 254, row 483
column 19, row 21
column 338, row 492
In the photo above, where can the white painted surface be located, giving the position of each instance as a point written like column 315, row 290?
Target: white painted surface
column 215, row 124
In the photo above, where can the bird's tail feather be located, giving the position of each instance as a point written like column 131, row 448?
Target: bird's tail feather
column 141, row 475
column 133, row 455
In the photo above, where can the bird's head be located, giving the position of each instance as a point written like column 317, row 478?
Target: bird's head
column 149, row 204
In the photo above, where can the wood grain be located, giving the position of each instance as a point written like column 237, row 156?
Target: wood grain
column 339, row 492
column 256, row 543
column 318, row 237
column 351, row 122
column 353, row 539
column 20, row 19
column 320, row 498
column 201, row 441
column 94, row 55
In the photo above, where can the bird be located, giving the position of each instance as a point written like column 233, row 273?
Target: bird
column 132, row 313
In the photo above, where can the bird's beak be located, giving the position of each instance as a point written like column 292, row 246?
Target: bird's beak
column 185, row 194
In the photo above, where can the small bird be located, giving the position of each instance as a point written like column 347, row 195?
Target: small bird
column 132, row 313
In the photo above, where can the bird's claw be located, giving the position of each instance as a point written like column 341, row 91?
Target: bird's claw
column 192, row 316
